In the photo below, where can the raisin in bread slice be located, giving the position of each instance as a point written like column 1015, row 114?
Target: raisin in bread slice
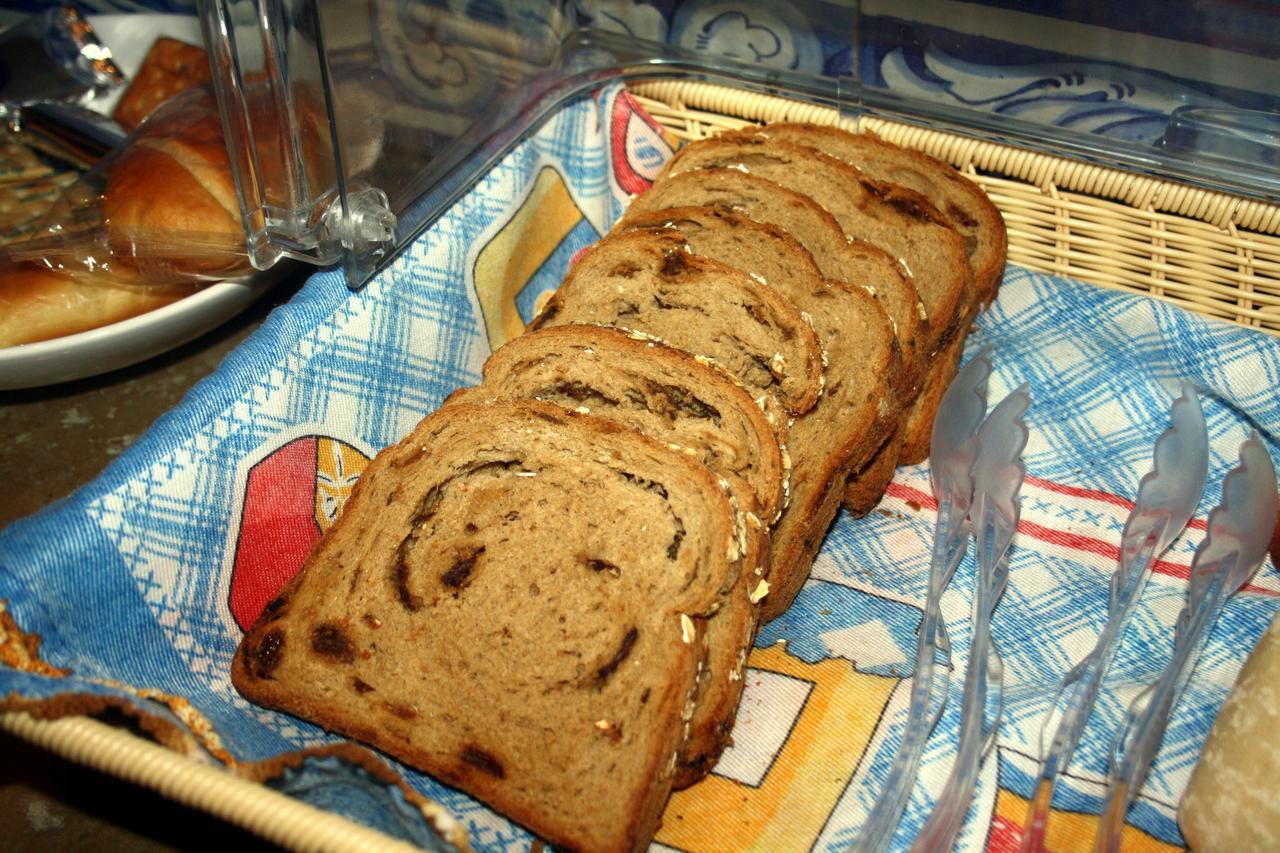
column 512, row 601
column 655, row 389
column 860, row 404
column 958, row 198
column 838, row 258
column 647, row 281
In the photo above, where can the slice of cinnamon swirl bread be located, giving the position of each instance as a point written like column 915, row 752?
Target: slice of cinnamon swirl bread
column 513, row 601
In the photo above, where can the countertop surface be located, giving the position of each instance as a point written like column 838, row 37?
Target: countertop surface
column 55, row 439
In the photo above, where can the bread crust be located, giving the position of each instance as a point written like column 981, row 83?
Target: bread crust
column 671, row 386
column 866, row 486
column 918, row 431
column 170, row 208
column 170, row 68
column 803, row 527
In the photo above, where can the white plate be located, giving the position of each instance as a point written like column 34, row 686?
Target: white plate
column 129, row 341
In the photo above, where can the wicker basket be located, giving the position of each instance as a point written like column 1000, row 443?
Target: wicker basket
column 1210, row 252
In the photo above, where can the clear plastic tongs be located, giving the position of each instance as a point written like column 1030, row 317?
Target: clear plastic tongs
column 957, row 444
column 1234, row 546
column 1167, row 496
column 997, row 481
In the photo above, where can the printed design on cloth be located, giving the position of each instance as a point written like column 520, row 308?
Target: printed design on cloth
column 533, row 240
column 638, row 145
column 818, row 685
column 291, row 497
column 1072, row 827
column 527, row 251
column 801, row 728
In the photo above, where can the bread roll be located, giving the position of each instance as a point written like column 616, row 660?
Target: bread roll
column 40, row 304
column 170, row 207
column 170, row 68
column 1231, row 802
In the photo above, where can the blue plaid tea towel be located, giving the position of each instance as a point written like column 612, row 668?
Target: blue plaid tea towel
column 141, row 584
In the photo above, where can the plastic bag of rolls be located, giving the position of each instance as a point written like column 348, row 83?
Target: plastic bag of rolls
column 151, row 223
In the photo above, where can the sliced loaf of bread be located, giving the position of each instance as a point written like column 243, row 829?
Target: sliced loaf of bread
column 861, row 402
column 839, row 259
column 647, row 281
column 962, row 203
column 858, row 408
column 513, row 601
column 959, row 199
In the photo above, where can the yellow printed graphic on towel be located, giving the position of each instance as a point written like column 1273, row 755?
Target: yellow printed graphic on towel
column 806, row 778
column 1065, row 832
column 338, row 467
column 505, row 265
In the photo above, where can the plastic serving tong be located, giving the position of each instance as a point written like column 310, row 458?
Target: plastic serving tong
column 997, row 482
column 952, row 452
column 1167, row 496
column 1235, row 544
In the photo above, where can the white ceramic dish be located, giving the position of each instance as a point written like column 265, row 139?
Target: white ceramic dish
column 130, row 341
